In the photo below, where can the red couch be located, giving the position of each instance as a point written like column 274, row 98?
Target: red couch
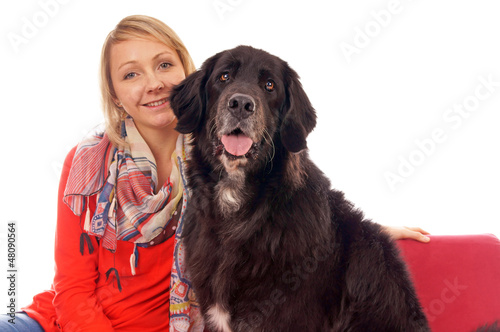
column 457, row 279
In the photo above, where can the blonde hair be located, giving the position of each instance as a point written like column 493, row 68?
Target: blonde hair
column 133, row 27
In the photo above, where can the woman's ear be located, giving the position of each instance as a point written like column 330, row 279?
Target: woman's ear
column 299, row 117
column 117, row 102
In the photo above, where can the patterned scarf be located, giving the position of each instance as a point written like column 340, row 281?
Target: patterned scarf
column 128, row 175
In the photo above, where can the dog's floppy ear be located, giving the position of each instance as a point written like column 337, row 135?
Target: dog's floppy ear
column 299, row 117
column 188, row 99
column 188, row 104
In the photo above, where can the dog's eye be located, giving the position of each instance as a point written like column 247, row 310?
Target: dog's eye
column 270, row 85
column 224, row 77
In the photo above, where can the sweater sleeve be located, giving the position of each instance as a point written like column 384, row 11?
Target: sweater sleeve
column 76, row 275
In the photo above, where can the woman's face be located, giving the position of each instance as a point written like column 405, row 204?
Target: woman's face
column 143, row 73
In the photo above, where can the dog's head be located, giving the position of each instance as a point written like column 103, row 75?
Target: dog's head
column 242, row 105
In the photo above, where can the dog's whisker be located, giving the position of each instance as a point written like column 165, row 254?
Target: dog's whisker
column 270, row 142
column 271, row 154
column 221, row 171
column 212, row 127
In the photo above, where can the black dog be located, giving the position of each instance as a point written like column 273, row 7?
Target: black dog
column 269, row 246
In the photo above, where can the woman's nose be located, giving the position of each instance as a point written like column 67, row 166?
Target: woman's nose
column 154, row 83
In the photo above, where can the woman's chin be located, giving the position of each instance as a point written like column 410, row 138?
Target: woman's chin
column 164, row 120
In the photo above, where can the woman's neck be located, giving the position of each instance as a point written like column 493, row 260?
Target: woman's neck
column 162, row 143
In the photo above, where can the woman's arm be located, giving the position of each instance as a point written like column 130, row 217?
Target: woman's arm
column 76, row 275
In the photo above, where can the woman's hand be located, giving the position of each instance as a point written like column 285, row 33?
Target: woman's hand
column 414, row 233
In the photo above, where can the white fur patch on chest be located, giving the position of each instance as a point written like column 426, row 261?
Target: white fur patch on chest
column 230, row 192
column 230, row 197
column 219, row 318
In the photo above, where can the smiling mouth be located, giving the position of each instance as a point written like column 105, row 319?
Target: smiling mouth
column 156, row 103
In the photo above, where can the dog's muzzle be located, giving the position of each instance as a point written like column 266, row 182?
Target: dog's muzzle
column 236, row 121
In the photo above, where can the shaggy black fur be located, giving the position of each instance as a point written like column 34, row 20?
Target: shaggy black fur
column 495, row 327
column 269, row 246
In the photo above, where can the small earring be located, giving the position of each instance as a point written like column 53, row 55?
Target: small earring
column 123, row 115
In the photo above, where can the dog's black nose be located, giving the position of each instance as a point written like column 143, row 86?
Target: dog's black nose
column 241, row 105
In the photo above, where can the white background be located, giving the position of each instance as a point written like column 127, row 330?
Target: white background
column 409, row 70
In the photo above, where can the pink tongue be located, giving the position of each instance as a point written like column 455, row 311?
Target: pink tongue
column 237, row 145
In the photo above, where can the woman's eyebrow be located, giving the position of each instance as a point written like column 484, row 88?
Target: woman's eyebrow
column 161, row 54
column 126, row 63
column 154, row 58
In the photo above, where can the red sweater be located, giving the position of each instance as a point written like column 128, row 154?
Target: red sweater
column 81, row 299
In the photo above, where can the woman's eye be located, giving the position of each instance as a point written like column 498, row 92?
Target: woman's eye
column 165, row 65
column 270, row 85
column 224, row 77
column 129, row 76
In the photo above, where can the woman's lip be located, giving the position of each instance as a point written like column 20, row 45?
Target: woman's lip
column 156, row 103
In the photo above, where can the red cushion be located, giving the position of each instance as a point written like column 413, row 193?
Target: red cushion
column 457, row 279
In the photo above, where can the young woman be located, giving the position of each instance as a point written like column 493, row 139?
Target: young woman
column 118, row 254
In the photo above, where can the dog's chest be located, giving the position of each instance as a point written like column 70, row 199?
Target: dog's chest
column 231, row 193
column 219, row 318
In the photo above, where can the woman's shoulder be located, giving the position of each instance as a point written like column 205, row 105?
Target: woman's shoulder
column 68, row 161
column 91, row 147
column 87, row 167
